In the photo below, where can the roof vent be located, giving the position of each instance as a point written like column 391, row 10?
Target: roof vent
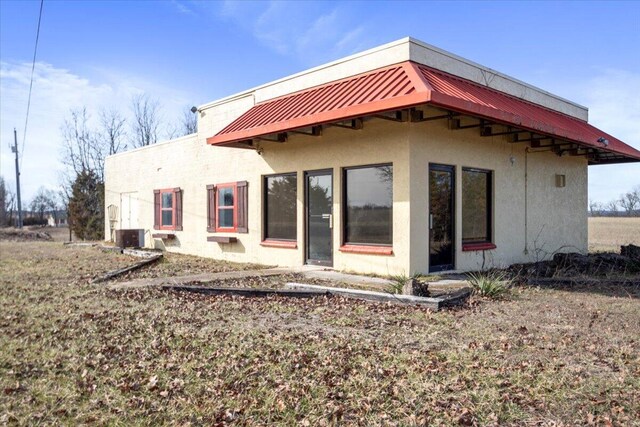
column 604, row 141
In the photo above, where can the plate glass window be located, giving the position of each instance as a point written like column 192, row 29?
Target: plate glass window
column 280, row 207
column 476, row 205
column 167, row 209
column 368, row 193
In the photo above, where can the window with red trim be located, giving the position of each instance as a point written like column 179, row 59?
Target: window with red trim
column 167, row 212
column 227, row 207
column 280, row 199
column 367, row 193
column 477, row 185
column 168, row 209
column 226, row 203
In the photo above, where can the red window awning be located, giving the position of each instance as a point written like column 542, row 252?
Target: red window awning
column 408, row 85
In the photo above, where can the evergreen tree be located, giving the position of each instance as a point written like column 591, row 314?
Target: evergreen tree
column 86, row 214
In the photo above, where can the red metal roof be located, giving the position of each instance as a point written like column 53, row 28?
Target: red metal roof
column 406, row 85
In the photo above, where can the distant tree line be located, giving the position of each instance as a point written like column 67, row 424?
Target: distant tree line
column 628, row 204
column 35, row 212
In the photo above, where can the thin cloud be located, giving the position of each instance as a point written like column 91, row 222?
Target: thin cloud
column 182, row 8
column 55, row 92
column 299, row 29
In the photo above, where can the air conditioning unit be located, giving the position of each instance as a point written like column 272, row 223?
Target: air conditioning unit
column 130, row 238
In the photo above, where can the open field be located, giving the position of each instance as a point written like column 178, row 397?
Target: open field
column 74, row 353
column 607, row 234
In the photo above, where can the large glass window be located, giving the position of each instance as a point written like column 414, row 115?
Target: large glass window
column 280, row 207
column 476, row 205
column 368, row 201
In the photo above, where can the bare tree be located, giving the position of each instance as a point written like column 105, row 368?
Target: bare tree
column 630, row 201
column 43, row 201
column 612, row 208
column 186, row 125
column 7, row 204
column 82, row 150
column 112, row 131
column 595, row 208
column 66, row 183
column 146, row 120
column 189, row 122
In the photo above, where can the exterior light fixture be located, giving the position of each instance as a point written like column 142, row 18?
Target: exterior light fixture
column 194, row 109
column 604, row 141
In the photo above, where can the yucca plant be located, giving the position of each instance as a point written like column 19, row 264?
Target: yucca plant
column 397, row 284
column 490, row 284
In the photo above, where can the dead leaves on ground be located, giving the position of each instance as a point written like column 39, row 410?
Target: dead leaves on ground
column 82, row 354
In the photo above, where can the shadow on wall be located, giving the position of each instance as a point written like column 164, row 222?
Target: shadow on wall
column 237, row 247
column 160, row 243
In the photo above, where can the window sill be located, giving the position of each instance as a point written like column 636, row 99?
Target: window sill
column 222, row 239
column 163, row 236
column 477, row 247
column 279, row 244
column 364, row 249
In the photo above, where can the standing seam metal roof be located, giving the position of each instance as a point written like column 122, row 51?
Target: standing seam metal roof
column 405, row 85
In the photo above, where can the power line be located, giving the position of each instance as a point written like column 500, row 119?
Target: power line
column 33, row 66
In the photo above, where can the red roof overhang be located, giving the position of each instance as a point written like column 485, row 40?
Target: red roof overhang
column 406, row 85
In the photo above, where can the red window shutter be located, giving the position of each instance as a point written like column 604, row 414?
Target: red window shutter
column 242, row 206
column 156, row 209
column 178, row 208
column 211, row 208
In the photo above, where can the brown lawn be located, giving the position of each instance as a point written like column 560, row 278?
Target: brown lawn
column 608, row 234
column 74, row 353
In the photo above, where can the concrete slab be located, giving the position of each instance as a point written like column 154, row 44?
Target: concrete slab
column 201, row 278
column 436, row 303
column 354, row 279
column 302, row 290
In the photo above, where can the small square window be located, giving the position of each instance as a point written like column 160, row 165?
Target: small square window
column 226, row 207
column 168, row 209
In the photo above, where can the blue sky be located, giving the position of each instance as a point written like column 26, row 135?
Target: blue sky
column 189, row 53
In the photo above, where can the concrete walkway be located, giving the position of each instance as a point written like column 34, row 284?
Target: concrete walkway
column 310, row 272
column 202, row 278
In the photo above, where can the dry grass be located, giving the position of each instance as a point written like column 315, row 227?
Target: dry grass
column 174, row 264
column 74, row 353
column 608, row 234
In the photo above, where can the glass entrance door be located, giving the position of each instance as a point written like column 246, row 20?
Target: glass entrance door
column 441, row 217
column 319, row 212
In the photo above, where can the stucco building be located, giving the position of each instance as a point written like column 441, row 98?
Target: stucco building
column 401, row 159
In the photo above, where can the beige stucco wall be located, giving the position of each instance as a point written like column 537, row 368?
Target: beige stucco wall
column 190, row 164
column 556, row 217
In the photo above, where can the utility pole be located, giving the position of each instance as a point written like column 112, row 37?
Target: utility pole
column 15, row 150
